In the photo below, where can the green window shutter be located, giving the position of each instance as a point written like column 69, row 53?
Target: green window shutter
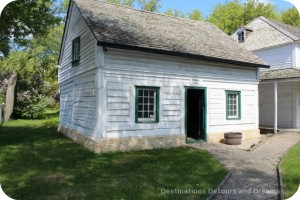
column 76, row 50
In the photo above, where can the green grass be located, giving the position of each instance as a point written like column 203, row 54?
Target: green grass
column 38, row 163
column 291, row 171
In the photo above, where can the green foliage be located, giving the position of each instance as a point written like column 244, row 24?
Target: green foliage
column 22, row 19
column 129, row 3
column 255, row 8
column 30, row 105
column 175, row 13
column 17, row 61
column 39, row 58
column 43, row 53
column 51, row 123
column 230, row 16
column 2, row 98
column 291, row 17
column 291, row 171
column 150, row 5
column 196, row 15
column 37, row 73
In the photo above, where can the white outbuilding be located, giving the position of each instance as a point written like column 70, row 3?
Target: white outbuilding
column 132, row 79
column 278, row 44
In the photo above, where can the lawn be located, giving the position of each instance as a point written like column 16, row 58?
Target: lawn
column 291, row 171
column 38, row 163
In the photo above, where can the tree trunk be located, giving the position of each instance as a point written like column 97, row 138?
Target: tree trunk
column 10, row 96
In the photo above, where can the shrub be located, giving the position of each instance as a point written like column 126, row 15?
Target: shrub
column 30, row 105
column 51, row 123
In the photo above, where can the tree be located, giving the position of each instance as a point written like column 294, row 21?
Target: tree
column 44, row 51
column 175, row 13
column 228, row 17
column 23, row 19
column 255, row 8
column 33, row 67
column 20, row 22
column 233, row 14
column 16, row 61
column 129, row 3
column 150, row 5
column 291, row 17
column 196, row 15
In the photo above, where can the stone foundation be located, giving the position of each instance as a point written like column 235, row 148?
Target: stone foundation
column 141, row 143
column 219, row 137
column 124, row 144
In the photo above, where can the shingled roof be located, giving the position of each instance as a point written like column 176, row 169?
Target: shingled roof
column 280, row 74
column 122, row 27
column 290, row 31
column 267, row 33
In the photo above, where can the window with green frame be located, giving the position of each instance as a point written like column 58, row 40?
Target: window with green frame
column 233, row 105
column 76, row 50
column 147, row 105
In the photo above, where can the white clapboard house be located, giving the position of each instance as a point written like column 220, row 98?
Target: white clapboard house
column 132, row 79
column 278, row 45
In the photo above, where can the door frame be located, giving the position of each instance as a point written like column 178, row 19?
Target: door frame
column 205, row 112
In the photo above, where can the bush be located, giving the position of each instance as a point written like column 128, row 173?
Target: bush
column 33, row 96
column 51, row 123
column 30, row 105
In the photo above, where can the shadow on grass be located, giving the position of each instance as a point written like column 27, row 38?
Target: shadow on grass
column 38, row 163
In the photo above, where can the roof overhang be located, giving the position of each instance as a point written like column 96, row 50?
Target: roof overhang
column 180, row 54
column 280, row 80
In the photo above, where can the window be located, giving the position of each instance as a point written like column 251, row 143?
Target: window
column 76, row 50
column 241, row 36
column 147, row 104
column 233, row 105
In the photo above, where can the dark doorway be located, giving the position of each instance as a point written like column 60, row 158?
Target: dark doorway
column 195, row 114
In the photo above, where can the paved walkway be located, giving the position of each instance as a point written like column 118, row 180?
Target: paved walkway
column 254, row 174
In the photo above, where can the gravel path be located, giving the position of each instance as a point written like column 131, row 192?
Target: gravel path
column 254, row 174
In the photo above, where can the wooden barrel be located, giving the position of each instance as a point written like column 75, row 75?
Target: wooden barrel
column 233, row 138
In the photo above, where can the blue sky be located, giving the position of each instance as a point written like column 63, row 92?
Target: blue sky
column 206, row 6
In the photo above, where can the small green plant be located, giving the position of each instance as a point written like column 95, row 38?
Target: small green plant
column 2, row 98
column 51, row 123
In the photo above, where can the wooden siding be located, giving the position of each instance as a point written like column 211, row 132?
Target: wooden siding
column 285, row 104
column 78, row 103
column 77, row 27
column 78, row 83
column 126, row 69
column 297, row 103
column 297, row 54
column 277, row 57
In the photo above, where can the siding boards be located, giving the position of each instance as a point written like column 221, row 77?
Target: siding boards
column 285, row 105
column 78, row 103
column 155, row 65
column 77, row 27
column 298, row 55
column 118, row 107
column 277, row 57
column 125, row 69
column 171, row 104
